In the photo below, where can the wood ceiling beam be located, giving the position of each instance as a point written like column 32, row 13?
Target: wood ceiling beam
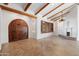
column 59, row 12
column 5, row 3
column 42, row 8
column 55, row 19
column 27, row 6
column 53, row 9
column 17, row 11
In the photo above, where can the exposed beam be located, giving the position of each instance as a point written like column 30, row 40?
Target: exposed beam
column 17, row 11
column 5, row 3
column 42, row 8
column 27, row 6
column 59, row 12
column 60, row 16
column 53, row 9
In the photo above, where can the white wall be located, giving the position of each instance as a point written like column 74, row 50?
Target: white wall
column 7, row 17
column 38, row 28
column 63, row 27
column 0, row 28
column 78, row 22
column 34, row 25
column 56, row 28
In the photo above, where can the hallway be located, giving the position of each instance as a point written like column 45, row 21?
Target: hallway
column 46, row 47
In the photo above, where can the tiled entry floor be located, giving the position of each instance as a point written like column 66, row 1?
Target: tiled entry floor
column 52, row 46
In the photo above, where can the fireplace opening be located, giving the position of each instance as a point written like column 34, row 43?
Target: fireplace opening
column 68, row 33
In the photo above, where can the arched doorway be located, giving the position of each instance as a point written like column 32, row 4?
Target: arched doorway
column 18, row 30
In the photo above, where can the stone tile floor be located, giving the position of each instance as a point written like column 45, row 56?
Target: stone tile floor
column 52, row 46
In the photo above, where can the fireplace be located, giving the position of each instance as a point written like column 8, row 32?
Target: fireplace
column 68, row 33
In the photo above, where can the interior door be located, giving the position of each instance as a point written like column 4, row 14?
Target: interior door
column 18, row 30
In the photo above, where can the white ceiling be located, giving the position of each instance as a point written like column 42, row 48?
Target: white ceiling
column 36, row 6
column 48, row 8
column 18, row 6
column 59, row 9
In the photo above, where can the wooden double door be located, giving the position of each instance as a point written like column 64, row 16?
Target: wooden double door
column 18, row 30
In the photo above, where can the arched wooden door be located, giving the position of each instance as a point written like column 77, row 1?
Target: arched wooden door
column 18, row 30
